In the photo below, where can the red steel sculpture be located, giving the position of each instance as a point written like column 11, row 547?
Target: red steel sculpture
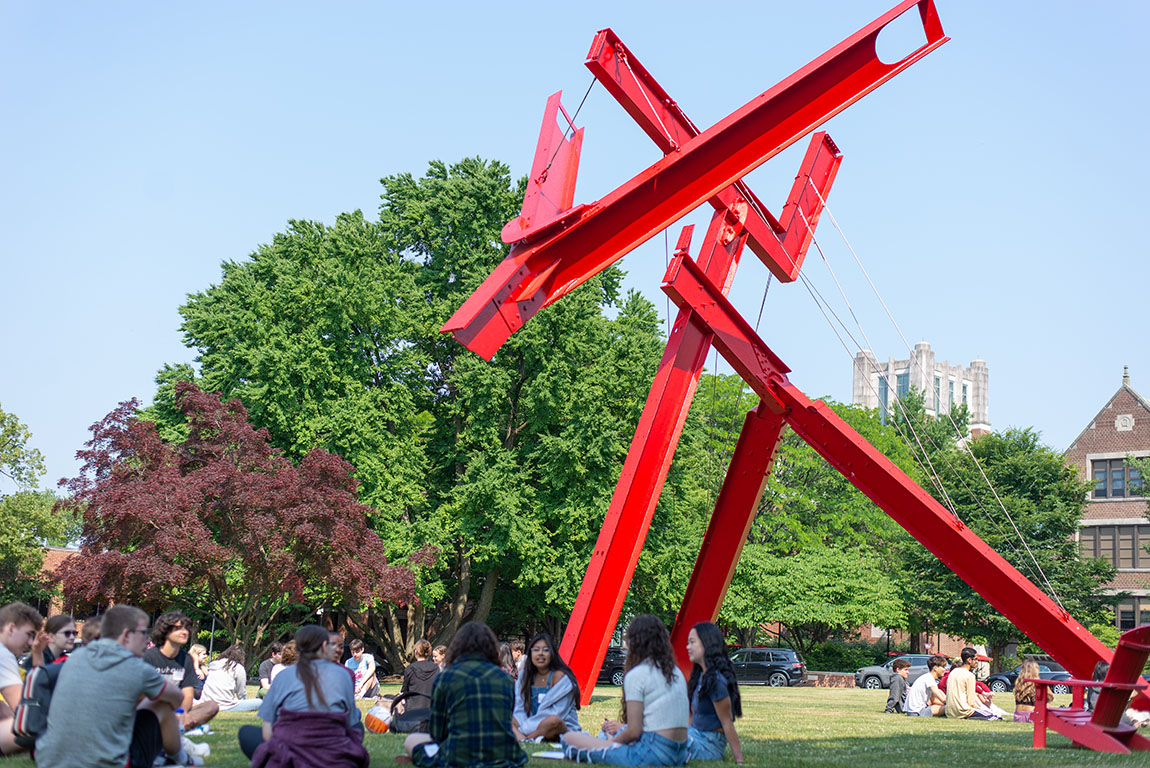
column 556, row 246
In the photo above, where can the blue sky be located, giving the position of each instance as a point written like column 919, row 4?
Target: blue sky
column 993, row 191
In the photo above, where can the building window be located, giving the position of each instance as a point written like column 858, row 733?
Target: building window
column 1132, row 612
column 938, row 394
column 964, row 390
column 902, row 384
column 883, row 395
column 1113, row 479
column 1124, row 546
column 950, row 399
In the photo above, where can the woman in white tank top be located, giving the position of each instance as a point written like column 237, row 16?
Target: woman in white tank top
column 655, row 706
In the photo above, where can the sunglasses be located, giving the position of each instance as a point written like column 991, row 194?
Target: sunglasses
column 69, row 633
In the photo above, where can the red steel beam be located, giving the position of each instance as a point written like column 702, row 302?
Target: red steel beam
column 540, row 270
column 661, row 118
column 632, row 507
column 987, row 572
column 730, row 523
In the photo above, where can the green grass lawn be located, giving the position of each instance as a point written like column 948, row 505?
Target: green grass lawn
column 794, row 726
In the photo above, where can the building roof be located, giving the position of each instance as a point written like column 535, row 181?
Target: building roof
column 54, row 557
column 1101, row 411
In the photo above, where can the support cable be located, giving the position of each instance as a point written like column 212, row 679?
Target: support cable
column 962, row 441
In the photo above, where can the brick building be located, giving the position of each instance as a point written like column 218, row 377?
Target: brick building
column 1115, row 525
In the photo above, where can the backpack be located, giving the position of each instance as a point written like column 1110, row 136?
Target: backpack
column 32, row 713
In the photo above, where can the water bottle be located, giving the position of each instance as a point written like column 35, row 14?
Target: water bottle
column 180, row 719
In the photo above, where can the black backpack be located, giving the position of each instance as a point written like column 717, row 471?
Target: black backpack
column 32, row 713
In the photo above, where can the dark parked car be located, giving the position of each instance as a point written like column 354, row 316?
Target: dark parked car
column 769, row 666
column 612, row 669
column 879, row 675
column 1004, row 681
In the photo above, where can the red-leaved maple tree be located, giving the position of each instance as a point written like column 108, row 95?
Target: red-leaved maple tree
column 222, row 519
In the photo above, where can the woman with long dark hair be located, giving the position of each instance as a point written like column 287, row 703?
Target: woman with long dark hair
column 714, row 695
column 471, row 702
column 309, row 713
column 546, row 694
column 655, row 703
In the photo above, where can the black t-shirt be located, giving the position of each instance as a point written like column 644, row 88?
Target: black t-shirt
column 266, row 669
column 180, row 671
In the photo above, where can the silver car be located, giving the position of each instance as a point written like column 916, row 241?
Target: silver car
column 879, row 676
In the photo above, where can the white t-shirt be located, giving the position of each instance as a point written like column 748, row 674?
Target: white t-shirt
column 919, row 694
column 664, row 706
column 9, row 669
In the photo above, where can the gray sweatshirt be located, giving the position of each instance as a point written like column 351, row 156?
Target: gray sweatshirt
column 94, row 707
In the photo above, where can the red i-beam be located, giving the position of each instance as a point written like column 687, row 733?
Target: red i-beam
column 1015, row 596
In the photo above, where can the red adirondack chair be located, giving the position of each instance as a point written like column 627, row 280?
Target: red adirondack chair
column 1101, row 730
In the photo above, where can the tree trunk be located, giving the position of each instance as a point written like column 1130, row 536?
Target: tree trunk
column 486, row 596
column 458, row 605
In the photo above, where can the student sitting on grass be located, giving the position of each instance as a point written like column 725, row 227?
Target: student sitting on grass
column 471, row 704
column 309, row 714
column 61, row 639
column 170, row 634
column 95, row 720
column 227, row 682
column 924, row 699
column 418, row 678
column 265, row 670
column 1024, row 692
column 713, row 691
column 363, row 665
column 199, row 657
column 962, row 700
column 1100, row 671
column 655, row 700
column 19, row 626
column 546, row 694
column 898, row 687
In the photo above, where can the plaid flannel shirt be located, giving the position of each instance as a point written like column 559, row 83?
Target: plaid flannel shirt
column 471, row 704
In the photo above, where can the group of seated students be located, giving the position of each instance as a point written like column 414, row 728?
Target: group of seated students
column 955, row 692
column 480, row 711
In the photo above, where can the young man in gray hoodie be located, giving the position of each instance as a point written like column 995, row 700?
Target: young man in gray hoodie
column 97, row 717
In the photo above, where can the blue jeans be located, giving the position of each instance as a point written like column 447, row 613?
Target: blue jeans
column 649, row 749
column 705, row 745
column 243, row 705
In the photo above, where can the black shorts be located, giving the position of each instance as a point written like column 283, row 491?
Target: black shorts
column 147, row 741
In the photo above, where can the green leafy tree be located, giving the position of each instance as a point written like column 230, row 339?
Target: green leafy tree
column 29, row 518
column 19, row 463
column 815, row 594
column 809, row 513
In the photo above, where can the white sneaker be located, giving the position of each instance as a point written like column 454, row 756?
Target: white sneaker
column 183, row 758
column 194, row 748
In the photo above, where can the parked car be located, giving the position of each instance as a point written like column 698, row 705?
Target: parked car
column 776, row 667
column 879, row 675
column 612, row 669
column 1004, row 681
